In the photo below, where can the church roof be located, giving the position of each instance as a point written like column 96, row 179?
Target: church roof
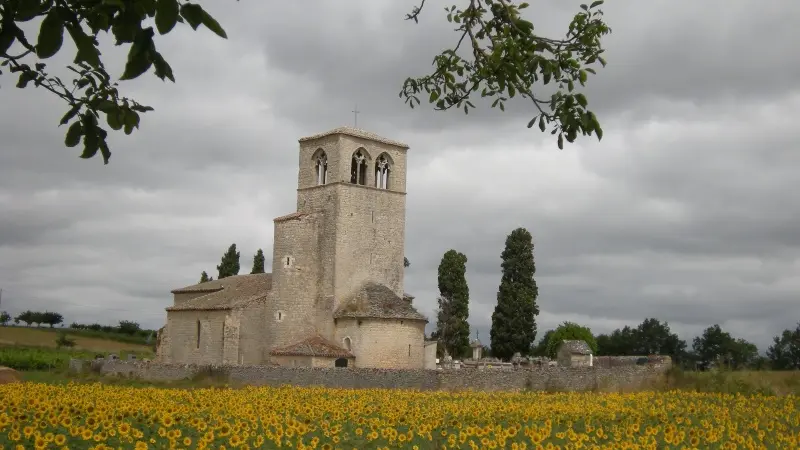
column 226, row 293
column 313, row 346
column 355, row 132
column 377, row 301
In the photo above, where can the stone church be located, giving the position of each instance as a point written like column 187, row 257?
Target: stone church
column 335, row 295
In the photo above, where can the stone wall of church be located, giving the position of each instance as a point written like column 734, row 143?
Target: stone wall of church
column 383, row 343
column 370, row 238
column 190, row 344
column 254, row 345
column 291, row 307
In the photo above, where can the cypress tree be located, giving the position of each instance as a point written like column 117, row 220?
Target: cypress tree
column 204, row 277
column 229, row 265
column 452, row 326
column 514, row 318
column 258, row 262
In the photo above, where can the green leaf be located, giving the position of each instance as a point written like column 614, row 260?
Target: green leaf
column 434, row 96
column 131, row 121
column 212, row 24
column 113, row 120
column 598, row 131
column 533, row 121
column 25, row 78
column 87, row 52
column 595, row 4
column 193, row 14
column 73, row 134
column 166, row 15
column 70, row 114
column 561, row 142
column 28, row 10
column 8, row 34
column 162, row 68
column 105, row 151
column 541, row 122
column 583, row 76
column 51, row 35
column 138, row 57
column 581, row 99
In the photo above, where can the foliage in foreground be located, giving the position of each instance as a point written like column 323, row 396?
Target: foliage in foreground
column 102, row 416
column 504, row 58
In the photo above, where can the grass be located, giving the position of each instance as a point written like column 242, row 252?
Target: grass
column 84, row 339
column 767, row 382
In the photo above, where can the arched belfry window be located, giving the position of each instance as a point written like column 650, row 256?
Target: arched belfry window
column 322, row 168
column 358, row 168
column 382, row 169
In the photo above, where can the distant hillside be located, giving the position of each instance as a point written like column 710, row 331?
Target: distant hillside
column 84, row 339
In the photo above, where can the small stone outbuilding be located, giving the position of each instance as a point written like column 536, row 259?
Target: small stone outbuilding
column 574, row 353
column 315, row 351
column 477, row 349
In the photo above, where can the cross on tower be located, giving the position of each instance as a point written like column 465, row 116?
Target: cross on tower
column 355, row 115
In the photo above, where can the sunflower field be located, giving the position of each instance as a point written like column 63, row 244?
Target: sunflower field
column 98, row 416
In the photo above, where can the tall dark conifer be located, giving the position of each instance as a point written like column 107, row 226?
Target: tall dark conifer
column 229, row 265
column 258, row 262
column 514, row 318
column 452, row 328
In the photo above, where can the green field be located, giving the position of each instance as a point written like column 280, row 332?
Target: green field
column 33, row 349
column 85, row 339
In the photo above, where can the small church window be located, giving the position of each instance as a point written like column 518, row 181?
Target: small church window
column 358, row 168
column 382, row 169
column 288, row 261
column 279, row 315
column 322, row 168
column 347, row 343
column 198, row 334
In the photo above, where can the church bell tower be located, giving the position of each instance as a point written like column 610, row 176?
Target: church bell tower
column 356, row 182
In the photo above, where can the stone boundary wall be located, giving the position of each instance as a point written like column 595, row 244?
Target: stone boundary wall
column 630, row 377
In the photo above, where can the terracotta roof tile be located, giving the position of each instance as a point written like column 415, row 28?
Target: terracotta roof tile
column 227, row 293
column 313, row 346
column 379, row 302
column 355, row 132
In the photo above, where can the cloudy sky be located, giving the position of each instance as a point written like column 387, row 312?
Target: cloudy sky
column 686, row 211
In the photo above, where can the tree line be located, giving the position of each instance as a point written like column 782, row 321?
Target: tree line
column 31, row 317
column 53, row 318
column 514, row 329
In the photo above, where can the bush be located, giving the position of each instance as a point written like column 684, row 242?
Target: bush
column 63, row 341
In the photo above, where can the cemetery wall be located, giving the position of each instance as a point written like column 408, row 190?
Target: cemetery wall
column 622, row 377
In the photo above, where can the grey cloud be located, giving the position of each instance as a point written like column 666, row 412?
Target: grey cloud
column 663, row 49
